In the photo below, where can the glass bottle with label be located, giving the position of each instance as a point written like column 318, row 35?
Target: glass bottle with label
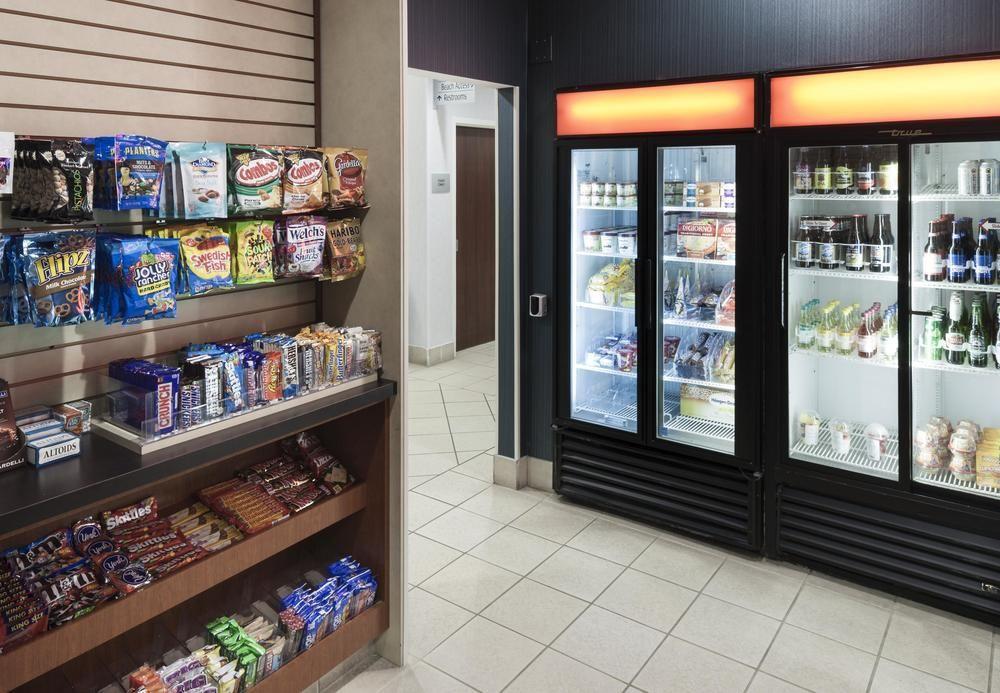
column 984, row 259
column 931, row 348
column 868, row 336
column 864, row 174
column 805, row 243
column 823, row 175
column 958, row 258
column 888, row 338
column 828, row 249
column 826, row 333
column 854, row 258
column 845, row 331
column 802, row 174
column 955, row 335
column 934, row 262
column 881, row 244
column 806, row 332
column 888, row 173
column 843, row 174
column 978, row 342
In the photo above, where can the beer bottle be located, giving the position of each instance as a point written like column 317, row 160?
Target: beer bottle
column 933, row 264
column 854, row 259
column 846, row 331
column 806, row 332
column 955, row 335
column 983, row 260
column 882, row 244
column 805, row 243
column 823, row 176
column 826, row 333
column 933, row 334
column 843, row 174
column 802, row 174
column 958, row 258
column 828, row 249
column 978, row 344
column 864, row 174
column 888, row 173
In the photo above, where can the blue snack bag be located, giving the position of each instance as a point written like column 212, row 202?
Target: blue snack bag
column 13, row 286
column 150, row 268
column 138, row 164
column 59, row 273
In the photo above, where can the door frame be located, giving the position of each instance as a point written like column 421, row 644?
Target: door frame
column 453, row 125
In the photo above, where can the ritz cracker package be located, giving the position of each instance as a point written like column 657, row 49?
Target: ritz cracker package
column 255, row 178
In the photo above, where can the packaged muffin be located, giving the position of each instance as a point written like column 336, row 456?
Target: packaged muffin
column 253, row 251
column 346, row 170
column 254, row 178
column 303, row 182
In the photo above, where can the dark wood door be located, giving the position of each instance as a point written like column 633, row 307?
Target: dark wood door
column 475, row 191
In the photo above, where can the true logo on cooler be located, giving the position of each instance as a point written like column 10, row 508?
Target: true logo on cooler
column 305, row 171
column 258, row 172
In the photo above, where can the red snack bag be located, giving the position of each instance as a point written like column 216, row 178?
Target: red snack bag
column 143, row 510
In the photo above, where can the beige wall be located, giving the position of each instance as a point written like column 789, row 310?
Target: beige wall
column 361, row 105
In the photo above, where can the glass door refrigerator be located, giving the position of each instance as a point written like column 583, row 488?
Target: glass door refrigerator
column 655, row 408
column 883, row 376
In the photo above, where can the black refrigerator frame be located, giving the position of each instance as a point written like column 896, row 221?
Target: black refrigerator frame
column 703, row 492
column 931, row 544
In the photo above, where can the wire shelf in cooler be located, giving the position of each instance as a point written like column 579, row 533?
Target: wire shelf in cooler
column 699, row 260
column 836, row 355
column 842, row 274
column 599, row 306
column 699, row 324
column 700, row 210
column 610, row 256
column 856, row 459
column 949, row 193
column 950, row 286
column 852, row 197
column 670, row 376
column 676, row 423
column 607, row 209
column 605, row 371
column 945, row 479
column 610, row 410
column 951, row 368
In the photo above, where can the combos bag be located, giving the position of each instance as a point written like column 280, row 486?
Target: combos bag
column 346, row 170
column 129, row 171
column 59, row 273
column 254, row 178
column 200, row 179
column 345, row 248
column 299, row 246
column 138, row 278
column 303, row 182
column 207, row 259
column 253, row 251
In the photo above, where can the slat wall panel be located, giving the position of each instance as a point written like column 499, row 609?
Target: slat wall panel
column 229, row 70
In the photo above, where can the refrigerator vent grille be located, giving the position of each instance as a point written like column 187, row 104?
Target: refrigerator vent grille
column 710, row 500
column 896, row 550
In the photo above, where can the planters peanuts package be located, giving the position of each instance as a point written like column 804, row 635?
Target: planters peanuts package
column 139, row 278
column 207, row 259
column 129, row 171
column 200, row 176
column 59, row 272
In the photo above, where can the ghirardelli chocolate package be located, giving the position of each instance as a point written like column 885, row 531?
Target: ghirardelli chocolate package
column 8, row 427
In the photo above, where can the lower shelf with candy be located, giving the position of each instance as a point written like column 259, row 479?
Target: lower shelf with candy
column 88, row 568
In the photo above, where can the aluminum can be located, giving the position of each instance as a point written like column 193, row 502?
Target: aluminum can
column 989, row 177
column 968, row 177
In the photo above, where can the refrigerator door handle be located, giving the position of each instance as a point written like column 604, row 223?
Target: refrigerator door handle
column 781, row 273
column 649, row 292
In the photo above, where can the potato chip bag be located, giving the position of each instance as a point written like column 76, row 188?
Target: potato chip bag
column 253, row 251
column 207, row 259
column 345, row 248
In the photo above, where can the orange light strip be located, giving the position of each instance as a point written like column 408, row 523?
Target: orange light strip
column 966, row 89
column 722, row 105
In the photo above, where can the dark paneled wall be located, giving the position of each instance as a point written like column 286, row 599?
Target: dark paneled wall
column 598, row 42
column 478, row 39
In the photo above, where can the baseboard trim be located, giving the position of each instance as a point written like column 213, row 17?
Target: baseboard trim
column 522, row 472
column 539, row 473
column 431, row 357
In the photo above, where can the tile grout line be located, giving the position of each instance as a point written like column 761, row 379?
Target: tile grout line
column 881, row 646
column 781, row 624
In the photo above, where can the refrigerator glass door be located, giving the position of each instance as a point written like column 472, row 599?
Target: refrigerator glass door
column 955, row 376
column 841, row 308
column 604, row 336
column 696, row 281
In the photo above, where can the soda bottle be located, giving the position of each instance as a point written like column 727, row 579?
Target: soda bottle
column 802, row 174
column 958, row 258
column 823, row 175
column 826, row 333
column 984, row 259
column 978, row 343
column 931, row 349
column 828, row 249
column 845, row 331
column 857, row 237
column 843, row 174
column 868, row 335
column 864, row 174
column 806, row 332
column 888, row 173
column 881, row 244
column 934, row 261
column 955, row 335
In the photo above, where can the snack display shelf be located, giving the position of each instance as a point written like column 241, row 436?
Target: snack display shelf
column 856, row 458
column 949, row 286
column 990, row 369
column 672, row 377
column 606, row 371
column 610, row 256
column 842, row 274
column 699, row 260
column 852, row 197
column 945, row 479
column 607, row 209
column 104, row 468
column 678, row 424
column 56, row 647
column 949, row 193
column 599, row 306
column 836, row 355
column 700, row 210
column 699, row 324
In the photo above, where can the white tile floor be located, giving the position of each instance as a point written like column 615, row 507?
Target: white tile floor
column 521, row 591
